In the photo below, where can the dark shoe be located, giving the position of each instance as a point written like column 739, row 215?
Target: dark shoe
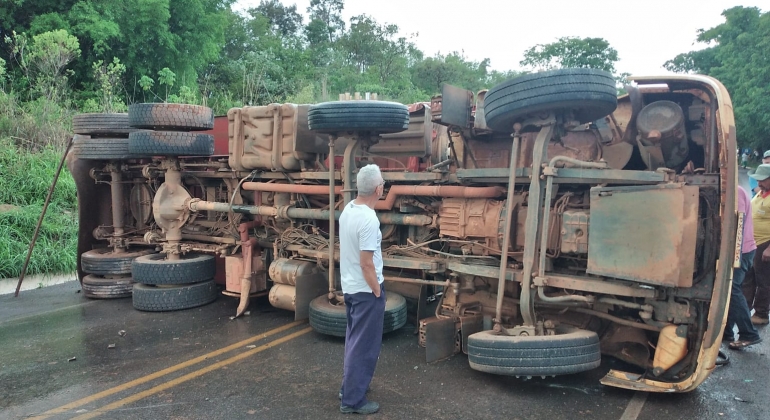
column 722, row 359
column 370, row 407
column 726, row 339
column 759, row 320
column 742, row 344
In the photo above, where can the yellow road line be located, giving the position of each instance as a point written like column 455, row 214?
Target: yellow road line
column 158, row 374
column 189, row 376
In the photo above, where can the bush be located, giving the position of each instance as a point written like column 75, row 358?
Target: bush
column 34, row 125
column 25, row 177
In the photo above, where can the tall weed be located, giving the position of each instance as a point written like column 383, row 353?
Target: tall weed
column 56, row 247
column 34, row 125
column 25, row 177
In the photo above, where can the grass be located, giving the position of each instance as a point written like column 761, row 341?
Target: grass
column 25, row 177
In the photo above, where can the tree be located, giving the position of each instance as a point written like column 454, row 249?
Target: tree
column 571, row 52
column 737, row 56
column 146, row 35
column 2, row 75
column 329, row 14
column 43, row 61
column 496, row 77
column 284, row 20
column 109, row 79
column 431, row 73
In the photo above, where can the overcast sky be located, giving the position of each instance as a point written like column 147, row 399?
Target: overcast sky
column 645, row 33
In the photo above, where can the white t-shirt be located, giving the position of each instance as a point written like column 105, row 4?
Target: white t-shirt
column 359, row 231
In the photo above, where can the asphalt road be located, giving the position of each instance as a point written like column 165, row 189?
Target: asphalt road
column 200, row 364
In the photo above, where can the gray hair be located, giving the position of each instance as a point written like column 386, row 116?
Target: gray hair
column 368, row 179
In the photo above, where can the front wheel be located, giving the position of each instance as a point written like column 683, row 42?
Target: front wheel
column 589, row 94
column 571, row 350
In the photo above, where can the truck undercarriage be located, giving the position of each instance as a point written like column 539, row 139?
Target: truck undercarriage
column 551, row 220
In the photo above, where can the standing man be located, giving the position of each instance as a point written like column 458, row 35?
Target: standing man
column 361, row 276
column 738, row 313
column 756, row 287
column 753, row 186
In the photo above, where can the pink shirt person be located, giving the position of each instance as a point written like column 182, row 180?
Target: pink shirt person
column 744, row 206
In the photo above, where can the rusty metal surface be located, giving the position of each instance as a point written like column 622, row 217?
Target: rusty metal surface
column 470, row 218
column 627, row 344
column 264, row 137
column 598, row 285
column 168, row 205
column 290, row 188
column 436, row 191
column 283, row 296
column 574, row 231
column 234, row 272
column 417, row 140
column 644, row 234
column 286, row 271
column 221, row 126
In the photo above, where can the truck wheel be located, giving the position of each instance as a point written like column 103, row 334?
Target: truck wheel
column 373, row 116
column 165, row 116
column 190, row 268
column 170, row 143
column 172, row 298
column 329, row 319
column 590, row 93
column 571, row 350
column 103, row 262
column 101, row 148
column 114, row 125
column 98, row 287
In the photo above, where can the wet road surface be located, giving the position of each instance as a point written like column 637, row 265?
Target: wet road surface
column 200, row 364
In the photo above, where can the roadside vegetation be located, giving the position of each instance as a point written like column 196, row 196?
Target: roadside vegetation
column 25, row 176
column 69, row 56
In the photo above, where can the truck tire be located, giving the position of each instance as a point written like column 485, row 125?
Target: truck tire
column 173, row 298
column 371, row 116
column 103, row 262
column 170, row 143
column 98, row 287
column 571, row 350
column 164, row 116
column 100, row 148
column 329, row 319
column 113, row 125
column 590, row 93
column 156, row 269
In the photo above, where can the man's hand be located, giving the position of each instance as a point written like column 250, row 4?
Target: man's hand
column 766, row 255
column 366, row 260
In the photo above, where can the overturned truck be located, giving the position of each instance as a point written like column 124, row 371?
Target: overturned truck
column 533, row 226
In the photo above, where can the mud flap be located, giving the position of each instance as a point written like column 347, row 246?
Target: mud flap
column 308, row 287
column 439, row 338
column 470, row 325
column 456, row 106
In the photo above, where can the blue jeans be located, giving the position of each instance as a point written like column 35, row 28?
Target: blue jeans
column 739, row 313
column 363, row 339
